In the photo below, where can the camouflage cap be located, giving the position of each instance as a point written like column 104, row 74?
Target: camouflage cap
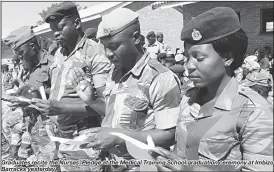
column 19, row 37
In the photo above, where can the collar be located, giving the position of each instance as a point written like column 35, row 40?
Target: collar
column 80, row 44
column 225, row 100
column 43, row 58
column 139, row 66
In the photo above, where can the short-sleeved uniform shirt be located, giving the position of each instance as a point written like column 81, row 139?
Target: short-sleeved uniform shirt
column 238, row 127
column 89, row 54
column 145, row 98
column 40, row 74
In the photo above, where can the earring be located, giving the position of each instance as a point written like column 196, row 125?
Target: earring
column 228, row 62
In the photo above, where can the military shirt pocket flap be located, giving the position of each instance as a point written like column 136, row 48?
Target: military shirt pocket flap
column 43, row 77
column 218, row 146
column 136, row 103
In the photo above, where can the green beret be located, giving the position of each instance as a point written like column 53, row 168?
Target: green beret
column 19, row 37
column 211, row 25
column 62, row 10
column 116, row 21
column 151, row 33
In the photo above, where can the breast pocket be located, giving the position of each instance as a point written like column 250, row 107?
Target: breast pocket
column 218, row 147
column 43, row 79
column 137, row 104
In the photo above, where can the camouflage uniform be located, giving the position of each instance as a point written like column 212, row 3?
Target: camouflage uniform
column 239, row 127
column 145, row 98
column 86, row 54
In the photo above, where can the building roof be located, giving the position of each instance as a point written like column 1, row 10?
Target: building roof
column 168, row 4
column 88, row 14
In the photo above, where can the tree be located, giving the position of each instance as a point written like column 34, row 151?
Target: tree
column 44, row 12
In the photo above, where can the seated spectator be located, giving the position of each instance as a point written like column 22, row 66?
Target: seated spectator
column 160, row 40
column 179, row 57
column 152, row 46
column 257, row 53
column 249, row 65
column 169, row 54
column 169, row 62
column 161, row 58
column 259, row 81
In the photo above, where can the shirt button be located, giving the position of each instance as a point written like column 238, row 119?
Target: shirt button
column 187, row 146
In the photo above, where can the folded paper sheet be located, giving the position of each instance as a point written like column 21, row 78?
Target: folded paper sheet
column 79, row 140
column 139, row 150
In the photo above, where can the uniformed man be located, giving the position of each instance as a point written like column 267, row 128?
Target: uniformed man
column 73, row 114
column 152, row 47
column 36, row 61
column 219, row 120
column 163, row 45
column 142, row 96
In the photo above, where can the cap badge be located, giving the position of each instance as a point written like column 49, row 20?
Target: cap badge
column 196, row 35
column 106, row 31
column 52, row 17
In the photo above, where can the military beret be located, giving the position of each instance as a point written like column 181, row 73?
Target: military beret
column 116, row 21
column 19, row 37
column 151, row 33
column 90, row 32
column 170, row 60
column 161, row 56
column 261, row 77
column 211, row 25
column 62, row 10
column 159, row 34
column 177, row 68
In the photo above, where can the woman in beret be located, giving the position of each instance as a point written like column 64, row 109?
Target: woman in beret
column 219, row 120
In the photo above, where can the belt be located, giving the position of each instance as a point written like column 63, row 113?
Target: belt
column 68, row 131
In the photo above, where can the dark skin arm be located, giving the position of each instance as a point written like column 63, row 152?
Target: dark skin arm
column 53, row 107
column 80, row 107
column 100, row 138
column 86, row 90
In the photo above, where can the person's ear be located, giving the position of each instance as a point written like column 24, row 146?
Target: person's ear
column 229, row 58
column 136, row 38
column 77, row 23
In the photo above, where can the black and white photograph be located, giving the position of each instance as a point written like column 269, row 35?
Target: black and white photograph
column 136, row 86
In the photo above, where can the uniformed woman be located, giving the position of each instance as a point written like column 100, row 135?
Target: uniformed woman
column 219, row 120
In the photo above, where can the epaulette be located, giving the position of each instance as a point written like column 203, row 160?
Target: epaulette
column 252, row 95
column 157, row 66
